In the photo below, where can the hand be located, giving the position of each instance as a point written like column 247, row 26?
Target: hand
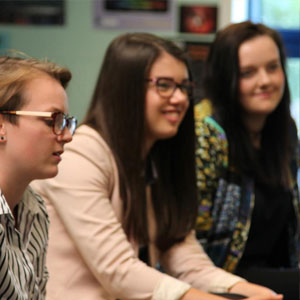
column 265, row 297
column 194, row 294
column 254, row 291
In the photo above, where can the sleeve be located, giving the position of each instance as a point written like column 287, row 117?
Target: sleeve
column 39, row 242
column 81, row 194
column 188, row 262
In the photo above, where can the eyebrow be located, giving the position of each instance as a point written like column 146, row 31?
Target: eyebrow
column 54, row 109
column 273, row 60
column 170, row 77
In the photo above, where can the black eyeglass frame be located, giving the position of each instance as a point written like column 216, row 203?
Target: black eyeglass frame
column 69, row 122
column 186, row 85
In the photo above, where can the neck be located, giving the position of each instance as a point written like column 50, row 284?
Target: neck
column 254, row 125
column 12, row 187
column 147, row 147
column 13, row 195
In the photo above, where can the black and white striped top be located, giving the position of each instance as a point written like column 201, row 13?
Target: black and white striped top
column 23, row 273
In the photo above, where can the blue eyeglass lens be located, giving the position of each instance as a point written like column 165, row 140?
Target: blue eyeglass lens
column 72, row 123
column 60, row 123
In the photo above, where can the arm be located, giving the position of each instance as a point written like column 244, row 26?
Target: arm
column 188, row 262
column 85, row 195
column 250, row 289
column 38, row 242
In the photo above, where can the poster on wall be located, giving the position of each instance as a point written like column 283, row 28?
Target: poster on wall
column 142, row 15
column 32, row 12
column 198, row 19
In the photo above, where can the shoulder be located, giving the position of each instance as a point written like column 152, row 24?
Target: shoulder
column 35, row 203
column 203, row 109
column 88, row 145
column 209, row 133
column 87, row 138
column 87, row 164
column 205, row 123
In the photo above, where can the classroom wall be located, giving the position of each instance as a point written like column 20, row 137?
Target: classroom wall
column 79, row 46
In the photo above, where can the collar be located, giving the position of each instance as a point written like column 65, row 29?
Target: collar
column 27, row 203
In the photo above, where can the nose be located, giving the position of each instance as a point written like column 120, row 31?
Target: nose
column 179, row 96
column 65, row 136
column 264, row 77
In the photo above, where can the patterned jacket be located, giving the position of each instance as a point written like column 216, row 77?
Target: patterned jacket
column 226, row 201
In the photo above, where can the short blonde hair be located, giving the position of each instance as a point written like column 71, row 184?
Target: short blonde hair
column 15, row 72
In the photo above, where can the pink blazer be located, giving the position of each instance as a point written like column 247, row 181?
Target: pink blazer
column 89, row 255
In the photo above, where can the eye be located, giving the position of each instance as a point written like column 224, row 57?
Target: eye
column 273, row 66
column 164, row 84
column 48, row 122
column 246, row 73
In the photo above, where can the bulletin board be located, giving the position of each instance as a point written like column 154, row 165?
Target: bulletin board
column 29, row 12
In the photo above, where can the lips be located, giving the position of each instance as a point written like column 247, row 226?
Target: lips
column 172, row 116
column 264, row 94
column 172, row 113
column 58, row 153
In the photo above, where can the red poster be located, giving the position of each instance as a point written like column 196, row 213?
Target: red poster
column 198, row 19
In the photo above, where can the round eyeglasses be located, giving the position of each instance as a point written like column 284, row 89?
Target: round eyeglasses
column 166, row 87
column 59, row 121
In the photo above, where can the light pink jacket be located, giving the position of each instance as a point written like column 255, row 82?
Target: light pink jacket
column 89, row 255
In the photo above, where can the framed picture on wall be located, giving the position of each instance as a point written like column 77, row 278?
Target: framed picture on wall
column 198, row 19
column 32, row 12
column 153, row 15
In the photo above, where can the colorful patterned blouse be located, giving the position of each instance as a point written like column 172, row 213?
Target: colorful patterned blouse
column 226, row 200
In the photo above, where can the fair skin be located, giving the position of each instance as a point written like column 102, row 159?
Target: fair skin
column 30, row 149
column 194, row 294
column 163, row 118
column 164, row 115
column 261, row 82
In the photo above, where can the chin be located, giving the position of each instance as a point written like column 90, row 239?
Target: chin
column 49, row 174
column 265, row 111
column 169, row 134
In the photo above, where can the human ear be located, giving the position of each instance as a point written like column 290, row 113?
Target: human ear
column 2, row 130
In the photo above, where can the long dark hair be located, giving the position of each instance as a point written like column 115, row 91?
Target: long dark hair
column 221, row 83
column 117, row 112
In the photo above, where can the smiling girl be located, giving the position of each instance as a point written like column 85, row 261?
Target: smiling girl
column 125, row 198
column 247, row 160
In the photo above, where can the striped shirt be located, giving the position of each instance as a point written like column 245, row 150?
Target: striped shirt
column 23, row 273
